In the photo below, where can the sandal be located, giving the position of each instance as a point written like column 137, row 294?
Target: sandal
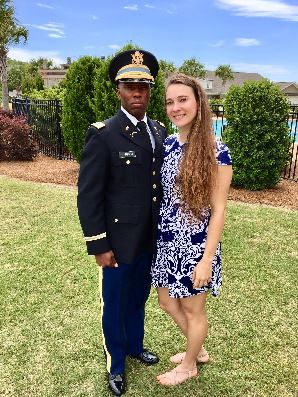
column 171, row 378
column 201, row 359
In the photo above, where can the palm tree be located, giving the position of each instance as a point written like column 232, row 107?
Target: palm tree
column 225, row 73
column 10, row 34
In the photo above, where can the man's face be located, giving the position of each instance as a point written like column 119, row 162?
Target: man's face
column 134, row 98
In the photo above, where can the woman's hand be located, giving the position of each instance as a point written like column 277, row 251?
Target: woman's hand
column 202, row 273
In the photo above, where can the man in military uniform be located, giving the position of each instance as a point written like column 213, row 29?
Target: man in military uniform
column 118, row 204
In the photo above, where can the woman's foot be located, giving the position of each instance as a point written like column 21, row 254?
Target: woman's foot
column 176, row 376
column 202, row 358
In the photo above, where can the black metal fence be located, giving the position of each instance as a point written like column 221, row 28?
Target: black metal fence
column 291, row 170
column 44, row 116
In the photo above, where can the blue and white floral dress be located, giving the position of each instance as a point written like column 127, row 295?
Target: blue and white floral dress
column 180, row 244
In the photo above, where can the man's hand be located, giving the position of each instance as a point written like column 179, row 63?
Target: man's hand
column 106, row 259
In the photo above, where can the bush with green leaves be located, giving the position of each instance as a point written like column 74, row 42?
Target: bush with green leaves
column 52, row 93
column 258, row 134
column 216, row 101
column 78, row 107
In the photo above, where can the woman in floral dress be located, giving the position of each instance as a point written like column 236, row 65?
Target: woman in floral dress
column 196, row 176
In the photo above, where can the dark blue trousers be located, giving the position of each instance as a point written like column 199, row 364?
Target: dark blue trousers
column 124, row 291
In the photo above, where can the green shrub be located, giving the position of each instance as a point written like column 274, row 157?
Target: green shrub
column 78, row 110
column 258, row 134
column 216, row 101
column 53, row 93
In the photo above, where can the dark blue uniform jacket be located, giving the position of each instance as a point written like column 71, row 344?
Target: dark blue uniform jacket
column 119, row 188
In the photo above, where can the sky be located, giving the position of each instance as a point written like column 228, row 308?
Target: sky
column 257, row 36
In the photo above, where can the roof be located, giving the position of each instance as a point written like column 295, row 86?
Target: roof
column 284, row 85
column 217, row 83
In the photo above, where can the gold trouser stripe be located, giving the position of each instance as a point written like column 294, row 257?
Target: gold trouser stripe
column 98, row 237
column 109, row 358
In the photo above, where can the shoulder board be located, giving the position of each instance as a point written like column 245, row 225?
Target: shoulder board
column 98, row 125
column 160, row 123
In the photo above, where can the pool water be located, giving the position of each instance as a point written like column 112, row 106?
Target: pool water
column 218, row 124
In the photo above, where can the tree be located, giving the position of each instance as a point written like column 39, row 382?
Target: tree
column 36, row 64
column 167, row 68
column 194, row 68
column 225, row 73
column 16, row 74
column 30, row 83
column 258, row 135
column 10, row 34
column 78, row 107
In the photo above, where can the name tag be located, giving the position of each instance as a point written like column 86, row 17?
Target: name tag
column 123, row 155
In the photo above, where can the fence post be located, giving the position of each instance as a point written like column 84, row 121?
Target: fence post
column 28, row 110
column 58, row 130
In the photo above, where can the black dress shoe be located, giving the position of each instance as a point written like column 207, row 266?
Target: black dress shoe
column 117, row 384
column 146, row 358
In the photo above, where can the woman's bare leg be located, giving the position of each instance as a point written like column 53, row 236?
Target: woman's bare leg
column 197, row 327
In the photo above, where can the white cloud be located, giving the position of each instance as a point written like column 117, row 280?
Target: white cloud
column 55, row 35
column 88, row 47
column 114, row 46
column 261, row 69
column 27, row 55
column 172, row 12
column 43, row 5
column 149, row 6
column 260, row 8
column 132, row 8
column 217, row 44
column 46, row 28
column 55, row 25
column 94, row 17
column 247, row 42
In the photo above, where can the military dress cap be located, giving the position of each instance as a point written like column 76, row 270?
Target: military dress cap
column 133, row 65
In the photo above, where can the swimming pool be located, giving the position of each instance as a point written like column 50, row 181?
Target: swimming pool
column 218, row 124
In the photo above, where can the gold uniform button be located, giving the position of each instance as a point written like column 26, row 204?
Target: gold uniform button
column 153, row 159
column 154, row 186
column 154, row 198
column 153, row 173
column 116, row 220
column 127, row 161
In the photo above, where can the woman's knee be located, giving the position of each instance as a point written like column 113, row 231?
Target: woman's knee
column 164, row 305
column 169, row 305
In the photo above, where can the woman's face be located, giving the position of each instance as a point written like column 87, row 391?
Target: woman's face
column 181, row 106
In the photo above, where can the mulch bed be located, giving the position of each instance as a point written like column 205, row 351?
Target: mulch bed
column 65, row 172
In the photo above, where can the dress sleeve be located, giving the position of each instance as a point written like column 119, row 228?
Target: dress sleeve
column 223, row 155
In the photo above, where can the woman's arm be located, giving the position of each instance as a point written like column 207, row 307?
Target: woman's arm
column 203, row 271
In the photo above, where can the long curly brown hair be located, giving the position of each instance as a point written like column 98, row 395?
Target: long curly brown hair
column 197, row 174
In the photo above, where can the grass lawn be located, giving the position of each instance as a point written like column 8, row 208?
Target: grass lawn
column 50, row 341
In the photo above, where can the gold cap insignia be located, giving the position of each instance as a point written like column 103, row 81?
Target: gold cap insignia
column 137, row 58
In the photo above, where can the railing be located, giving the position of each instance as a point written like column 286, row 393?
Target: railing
column 44, row 116
column 291, row 170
